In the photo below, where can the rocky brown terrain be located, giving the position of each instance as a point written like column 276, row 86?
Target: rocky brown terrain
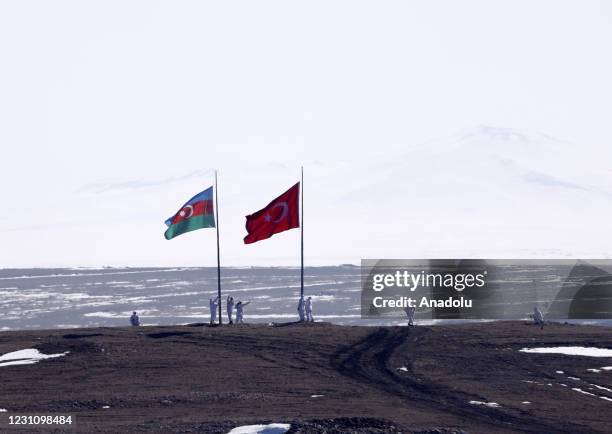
column 319, row 377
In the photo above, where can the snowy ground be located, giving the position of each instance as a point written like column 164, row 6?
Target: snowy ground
column 273, row 428
column 28, row 356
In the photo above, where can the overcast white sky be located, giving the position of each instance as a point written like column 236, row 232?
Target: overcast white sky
column 113, row 113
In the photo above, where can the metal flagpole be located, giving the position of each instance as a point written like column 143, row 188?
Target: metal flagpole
column 218, row 252
column 302, row 233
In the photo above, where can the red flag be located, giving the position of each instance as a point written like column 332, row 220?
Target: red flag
column 279, row 215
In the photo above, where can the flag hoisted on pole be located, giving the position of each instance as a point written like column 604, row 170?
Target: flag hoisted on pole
column 280, row 215
column 198, row 213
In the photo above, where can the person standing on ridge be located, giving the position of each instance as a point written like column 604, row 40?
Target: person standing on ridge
column 230, row 308
column 308, row 308
column 410, row 313
column 538, row 318
column 214, row 303
column 239, row 306
column 300, row 309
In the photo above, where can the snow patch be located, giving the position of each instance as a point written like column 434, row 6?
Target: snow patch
column 107, row 315
column 577, row 389
column 488, row 404
column 26, row 357
column 571, row 351
column 328, row 298
column 273, row 428
column 601, row 387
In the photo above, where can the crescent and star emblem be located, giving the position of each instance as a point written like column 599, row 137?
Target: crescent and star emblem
column 186, row 212
column 284, row 212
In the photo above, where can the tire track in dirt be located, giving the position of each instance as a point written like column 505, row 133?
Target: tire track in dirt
column 368, row 362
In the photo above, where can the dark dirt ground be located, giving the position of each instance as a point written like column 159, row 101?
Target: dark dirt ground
column 210, row 379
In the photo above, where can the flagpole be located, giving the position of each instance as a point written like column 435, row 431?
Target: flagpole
column 218, row 250
column 302, row 235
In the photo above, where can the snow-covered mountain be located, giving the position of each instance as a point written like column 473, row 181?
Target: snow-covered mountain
column 487, row 191
column 483, row 192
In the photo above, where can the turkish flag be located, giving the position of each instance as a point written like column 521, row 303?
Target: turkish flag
column 279, row 215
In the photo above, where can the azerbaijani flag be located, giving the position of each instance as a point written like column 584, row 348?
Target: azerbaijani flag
column 197, row 213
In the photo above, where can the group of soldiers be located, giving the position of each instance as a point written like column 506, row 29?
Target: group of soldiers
column 304, row 310
column 230, row 306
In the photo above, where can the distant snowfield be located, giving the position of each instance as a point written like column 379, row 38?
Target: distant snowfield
column 571, row 351
column 181, row 296
column 273, row 428
column 118, row 272
column 28, row 356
